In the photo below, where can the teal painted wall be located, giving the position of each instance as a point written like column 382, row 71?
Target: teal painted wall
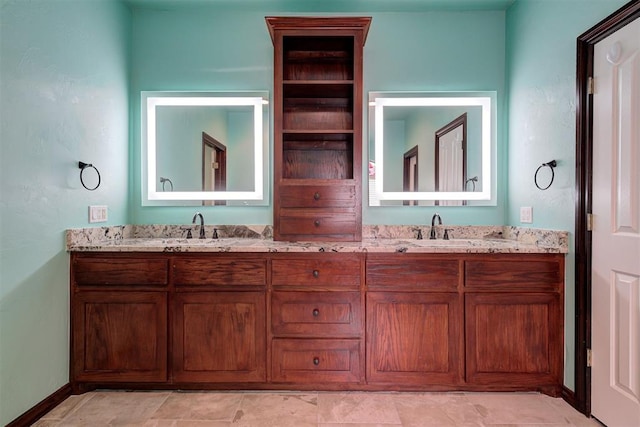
column 214, row 49
column 64, row 86
column 541, row 52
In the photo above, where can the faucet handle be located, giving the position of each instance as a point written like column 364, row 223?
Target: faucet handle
column 446, row 233
column 215, row 233
column 188, row 230
column 419, row 235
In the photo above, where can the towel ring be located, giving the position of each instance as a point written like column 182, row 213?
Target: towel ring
column 552, row 164
column 83, row 166
column 473, row 182
column 164, row 180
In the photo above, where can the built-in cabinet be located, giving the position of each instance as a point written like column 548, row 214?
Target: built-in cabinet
column 119, row 319
column 218, row 313
column 317, row 127
column 332, row 321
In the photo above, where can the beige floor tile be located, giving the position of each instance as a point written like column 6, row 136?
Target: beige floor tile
column 515, row 408
column 359, row 425
column 277, row 409
column 357, row 407
column 437, row 409
column 46, row 423
column 186, row 423
column 66, row 407
column 116, row 409
column 199, row 406
column 572, row 416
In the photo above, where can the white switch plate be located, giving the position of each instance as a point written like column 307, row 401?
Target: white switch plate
column 526, row 215
column 98, row 213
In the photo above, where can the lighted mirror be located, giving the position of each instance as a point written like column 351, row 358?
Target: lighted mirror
column 205, row 148
column 432, row 148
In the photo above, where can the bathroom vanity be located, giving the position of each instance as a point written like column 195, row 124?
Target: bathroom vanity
column 381, row 314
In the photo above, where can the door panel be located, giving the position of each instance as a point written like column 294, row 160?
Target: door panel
column 616, row 229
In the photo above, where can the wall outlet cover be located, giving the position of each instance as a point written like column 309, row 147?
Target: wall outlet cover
column 97, row 213
column 526, row 215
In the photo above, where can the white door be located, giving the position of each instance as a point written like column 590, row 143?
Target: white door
column 450, row 170
column 615, row 386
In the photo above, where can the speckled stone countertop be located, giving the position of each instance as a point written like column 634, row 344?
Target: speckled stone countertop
column 375, row 238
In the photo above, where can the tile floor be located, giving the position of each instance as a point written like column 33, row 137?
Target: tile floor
column 321, row 409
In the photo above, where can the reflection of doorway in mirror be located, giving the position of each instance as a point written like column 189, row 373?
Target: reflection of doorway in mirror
column 450, row 162
column 214, row 167
column 410, row 174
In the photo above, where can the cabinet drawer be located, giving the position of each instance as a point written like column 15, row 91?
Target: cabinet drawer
column 317, row 223
column 316, row 361
column 120, row 271
column 331, row 314
column 211, row 271
column 412, row 272
column 317, row 196
column 520, row 274
column 321, row 271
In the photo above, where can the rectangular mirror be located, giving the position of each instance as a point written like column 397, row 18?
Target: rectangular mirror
column 432, row 148
column 205, row 148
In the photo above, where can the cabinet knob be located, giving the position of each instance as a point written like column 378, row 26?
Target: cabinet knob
column 316, row 361
column 316, row 223
column 316, row 196
column 316, row 273
column 316, row 312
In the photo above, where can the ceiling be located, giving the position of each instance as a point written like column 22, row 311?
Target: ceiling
column 328, row 5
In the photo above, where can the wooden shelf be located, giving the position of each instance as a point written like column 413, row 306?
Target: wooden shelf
column 318, row 122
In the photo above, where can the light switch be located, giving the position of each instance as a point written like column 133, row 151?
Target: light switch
column 97, row 213
column 526, row 215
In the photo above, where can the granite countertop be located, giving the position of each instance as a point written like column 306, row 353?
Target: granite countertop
column 376, row 239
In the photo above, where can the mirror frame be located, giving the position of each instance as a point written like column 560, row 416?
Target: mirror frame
column 150, row 100
column 486, row 100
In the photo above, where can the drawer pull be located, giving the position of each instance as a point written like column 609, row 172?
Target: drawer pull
column 316, row 196
column 316, row 361
column 316, row 312
column 316, row 273
column 316, row 223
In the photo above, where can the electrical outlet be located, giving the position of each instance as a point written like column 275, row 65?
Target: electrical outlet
column 97, row 214
column 526, row 215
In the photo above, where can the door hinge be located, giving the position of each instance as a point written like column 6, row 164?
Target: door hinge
column 591, row 84
column 589, row 357
column 589, row 222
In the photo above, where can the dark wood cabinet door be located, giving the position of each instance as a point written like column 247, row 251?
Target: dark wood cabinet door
column 119, row 336
column 514, row 339
column 414, row 338
column 219, row 337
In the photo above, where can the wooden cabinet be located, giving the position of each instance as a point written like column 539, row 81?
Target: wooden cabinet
column 317, row 319
column 469, row 321
column 326, row 321
column 414, row 320
column 514, row 322
column 218, row 319
column 118, row 319
column 318, row 127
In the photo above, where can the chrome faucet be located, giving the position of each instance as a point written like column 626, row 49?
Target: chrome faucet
column 198, row 214
column 432, row 233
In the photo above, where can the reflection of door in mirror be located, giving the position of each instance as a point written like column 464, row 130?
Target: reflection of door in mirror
column 410, row 174
column 451, row 162
column 214, row 167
